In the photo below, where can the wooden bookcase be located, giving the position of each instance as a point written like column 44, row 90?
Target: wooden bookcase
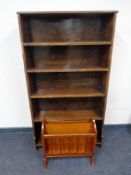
column 67, row 59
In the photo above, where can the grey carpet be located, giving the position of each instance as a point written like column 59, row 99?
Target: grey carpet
column 18, row 156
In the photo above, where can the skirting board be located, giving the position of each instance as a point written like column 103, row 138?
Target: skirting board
column 29, row 129
column 15, row 129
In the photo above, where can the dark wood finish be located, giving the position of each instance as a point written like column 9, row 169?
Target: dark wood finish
column 58, row 115
column 67, row 109
column 59, row 85
column 69, row 138
column 68, row 43
column 56, row 68
column 63, row 59
column 67, row 28
column 67, row 59
column 58, row 93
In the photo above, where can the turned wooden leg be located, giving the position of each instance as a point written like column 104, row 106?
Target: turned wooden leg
column 92, row 161
column 45, row 162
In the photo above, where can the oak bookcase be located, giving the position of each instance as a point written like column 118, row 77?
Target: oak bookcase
column 67, row 59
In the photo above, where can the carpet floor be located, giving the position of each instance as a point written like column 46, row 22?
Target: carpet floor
column 18, row 156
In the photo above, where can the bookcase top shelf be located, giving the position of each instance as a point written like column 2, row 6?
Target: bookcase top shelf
column 66, row 12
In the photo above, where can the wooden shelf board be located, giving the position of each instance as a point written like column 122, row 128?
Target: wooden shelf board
column 53, row 69
column 56, row 115
column 68, row 93
column 66, row 12
column 66, row 43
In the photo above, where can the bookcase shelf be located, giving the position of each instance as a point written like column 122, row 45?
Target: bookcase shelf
column 72, row 84
column 67, row 59
column 77, row 43
column 66, row 115
column 48, row 69
column 66, row 93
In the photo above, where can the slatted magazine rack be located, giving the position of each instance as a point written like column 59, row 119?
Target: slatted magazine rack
column 68, row 138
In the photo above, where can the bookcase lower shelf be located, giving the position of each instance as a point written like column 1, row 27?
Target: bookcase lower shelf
column 58, row 115
column 66, row 115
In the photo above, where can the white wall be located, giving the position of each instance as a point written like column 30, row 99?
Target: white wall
column 14, row 108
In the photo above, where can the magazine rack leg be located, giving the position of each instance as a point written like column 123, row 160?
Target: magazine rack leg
column 45, row 162
column 92, row 161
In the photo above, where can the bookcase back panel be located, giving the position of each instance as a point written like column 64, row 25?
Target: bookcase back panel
column 48, row 28
column 50, row 81
column 71, row 109
column 68, row 104
column 68, row 57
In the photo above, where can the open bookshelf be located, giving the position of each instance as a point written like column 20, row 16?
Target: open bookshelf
column 67, row 59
